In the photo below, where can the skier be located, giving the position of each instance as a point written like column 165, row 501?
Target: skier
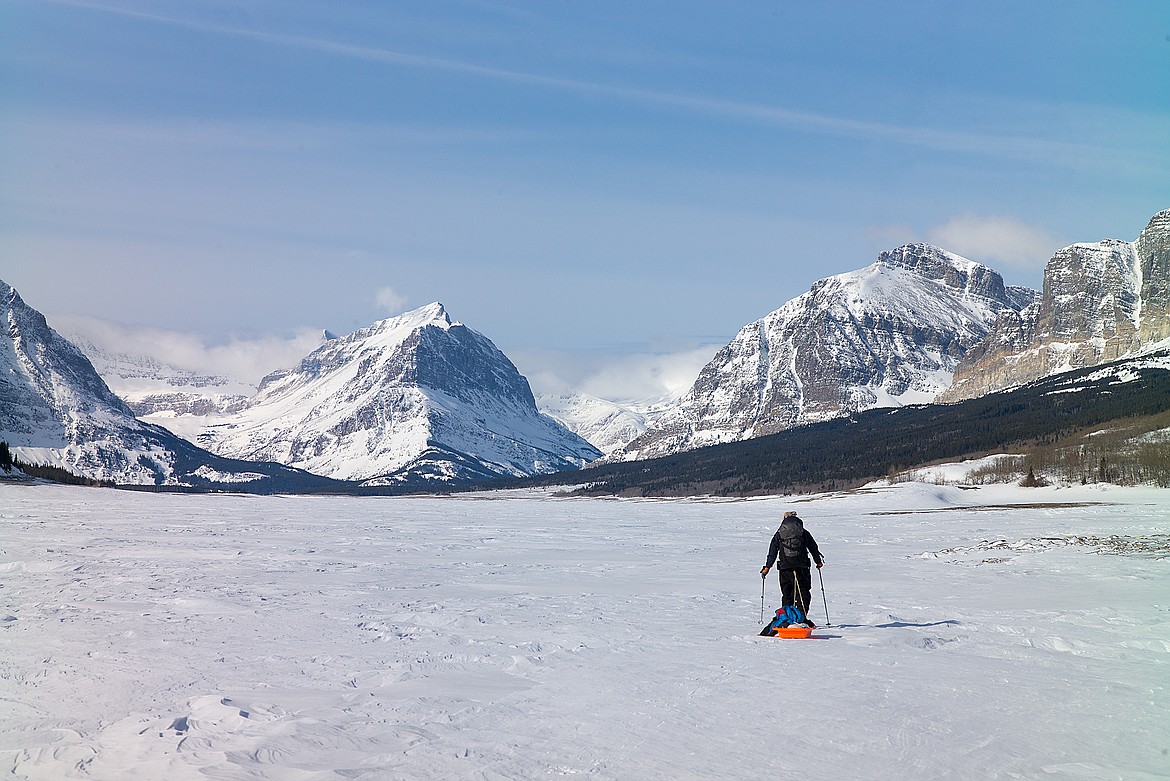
column 789, row 549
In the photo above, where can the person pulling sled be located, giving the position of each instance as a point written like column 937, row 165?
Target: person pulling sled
column 790, row 549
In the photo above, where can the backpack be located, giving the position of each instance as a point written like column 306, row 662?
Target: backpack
column 789, row 615
column 792, row 538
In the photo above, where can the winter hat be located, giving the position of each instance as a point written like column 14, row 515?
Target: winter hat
column 790, row 514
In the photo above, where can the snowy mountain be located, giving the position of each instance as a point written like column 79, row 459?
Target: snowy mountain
column 56, row 410
column 1100, row 302
column 886, row 335
column 607, row 425
column 411, row 398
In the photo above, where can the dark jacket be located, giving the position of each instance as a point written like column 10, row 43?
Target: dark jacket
column 784, row 562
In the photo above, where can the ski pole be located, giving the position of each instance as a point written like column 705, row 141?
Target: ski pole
column 822, row 577
column 763, row 580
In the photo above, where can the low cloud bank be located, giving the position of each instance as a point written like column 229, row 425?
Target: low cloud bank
column 244, row 359
column 639, row 377
column 1002, row 243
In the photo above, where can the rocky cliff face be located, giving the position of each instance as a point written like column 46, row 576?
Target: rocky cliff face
column 1100, row 302
column 886, row 335
column 1153, row 251
column 412, row 397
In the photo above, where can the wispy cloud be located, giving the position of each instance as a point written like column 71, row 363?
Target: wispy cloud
column 996, row 239
column 247, row 135
column 640, row 377
column 1035, row 148
column 390, row 301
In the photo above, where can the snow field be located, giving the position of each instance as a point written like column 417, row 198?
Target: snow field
column 976, row 634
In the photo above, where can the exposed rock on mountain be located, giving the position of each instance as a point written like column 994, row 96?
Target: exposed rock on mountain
column 1100, row 302
column 408, row 399
column 56, row 410
column 886, row 335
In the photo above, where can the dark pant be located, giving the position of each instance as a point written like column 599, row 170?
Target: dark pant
column 796, row 587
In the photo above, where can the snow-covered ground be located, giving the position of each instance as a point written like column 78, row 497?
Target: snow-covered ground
column 976, row 634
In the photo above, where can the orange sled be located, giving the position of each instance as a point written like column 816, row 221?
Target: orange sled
column 792, row 631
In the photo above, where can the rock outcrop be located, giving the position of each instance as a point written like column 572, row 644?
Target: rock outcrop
column 1100, row 302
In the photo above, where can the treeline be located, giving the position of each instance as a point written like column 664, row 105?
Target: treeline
column 55, row 474
column 1133, row 454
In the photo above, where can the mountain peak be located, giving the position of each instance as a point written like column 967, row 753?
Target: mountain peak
column 947, row 268
column 1161, row 219
column 9, row 298
column 433, row 313
column 928, row 260
column 911, row 255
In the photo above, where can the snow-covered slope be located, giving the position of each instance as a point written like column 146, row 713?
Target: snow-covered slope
column 56, row 410
column 412, row 397
column 885, row 335
column 1100, row 302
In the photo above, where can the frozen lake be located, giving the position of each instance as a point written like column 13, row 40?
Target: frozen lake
column 991, row 633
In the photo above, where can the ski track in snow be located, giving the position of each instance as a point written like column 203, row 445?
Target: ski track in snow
column 522, row 636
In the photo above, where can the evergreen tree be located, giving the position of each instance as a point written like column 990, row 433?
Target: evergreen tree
column 1031, row 481
column 5, row 457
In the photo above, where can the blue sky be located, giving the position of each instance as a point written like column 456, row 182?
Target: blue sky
column 580, row 181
